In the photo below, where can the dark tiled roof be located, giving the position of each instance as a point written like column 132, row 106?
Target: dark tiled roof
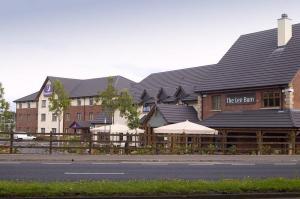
column 102, row 118
column 255, row 119
column 28, row 98
column 170, row 81
column 91, row 87
column 80, row 125
column 177, row 113
column 142, row 120
column 255, row 60
column 191, row 97
column 84, row 88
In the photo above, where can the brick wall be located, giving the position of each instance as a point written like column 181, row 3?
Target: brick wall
column 207, row 102
column 26, row 120
column 84, row 110
column 296, row 87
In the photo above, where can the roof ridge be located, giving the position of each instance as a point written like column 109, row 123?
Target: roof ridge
column 266, row 30
column 63, row 78
column 182, row 69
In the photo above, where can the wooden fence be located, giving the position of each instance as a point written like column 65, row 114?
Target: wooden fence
column 105, row 143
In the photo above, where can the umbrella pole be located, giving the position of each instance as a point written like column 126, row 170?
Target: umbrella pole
column 186, row 143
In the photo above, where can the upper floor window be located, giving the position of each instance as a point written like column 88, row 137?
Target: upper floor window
column 216, row 102
column 43, row 117
column 20, row 105
column 78, row 116
column 91, row 101
column 91, row 116
column 28, row 104
column 67, row 116
column 78, row 102
column 43, row 103
column 146, row 108
column 271, row 99
column 54, row 117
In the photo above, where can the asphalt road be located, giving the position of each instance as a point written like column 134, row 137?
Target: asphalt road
column 70, row 171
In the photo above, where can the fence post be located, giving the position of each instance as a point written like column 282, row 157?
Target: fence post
column 50, row 143
column 90, row 143
column 259, row 142
column 11, row 145
column 224, row 140
column 292, row 145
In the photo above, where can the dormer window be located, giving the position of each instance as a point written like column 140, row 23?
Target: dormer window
column 146, row 108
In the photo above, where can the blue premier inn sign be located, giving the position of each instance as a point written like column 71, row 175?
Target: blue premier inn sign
column 241, row 98
column 48, row 90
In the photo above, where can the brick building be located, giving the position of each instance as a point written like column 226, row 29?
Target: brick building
column 33, row 115
column 253, row 89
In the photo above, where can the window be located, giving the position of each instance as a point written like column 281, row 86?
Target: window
column 146, row 108
column 91, row 116
column 43, row 130
column 216, row 102
column 67, row 116
column 91, row 100
column 66, row 130
column 271, row 99
column 20, row 105
column 78, row 116
column 78, row 102
column 28, row 104
column 54, row 117
column 43, row 103
column 53, row 130
column 43, row 117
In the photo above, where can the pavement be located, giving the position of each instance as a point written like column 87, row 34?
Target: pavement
column 260, row 159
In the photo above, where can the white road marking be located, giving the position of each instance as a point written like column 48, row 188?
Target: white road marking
column 73, row 173
column 202, row 163
column 10, row 162
column 105, row 163
column 57, row 163
column 285, row 163
column 155, row 163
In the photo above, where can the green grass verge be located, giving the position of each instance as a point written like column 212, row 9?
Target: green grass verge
column 153, row 187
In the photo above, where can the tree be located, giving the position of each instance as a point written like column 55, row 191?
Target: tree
column 4, row 106
column 59, row 101
column 109, row 99
column 129, row 110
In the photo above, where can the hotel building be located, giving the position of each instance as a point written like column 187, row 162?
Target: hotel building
column 253, row 89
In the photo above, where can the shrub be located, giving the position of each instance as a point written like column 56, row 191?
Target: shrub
column 232, row 150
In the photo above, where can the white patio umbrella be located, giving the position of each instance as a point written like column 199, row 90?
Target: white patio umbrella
column 117, row 128
column 186, row 127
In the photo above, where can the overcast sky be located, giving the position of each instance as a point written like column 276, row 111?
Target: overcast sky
column 133, row 38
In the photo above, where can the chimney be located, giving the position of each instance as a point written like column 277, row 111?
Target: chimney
column 284, row 32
